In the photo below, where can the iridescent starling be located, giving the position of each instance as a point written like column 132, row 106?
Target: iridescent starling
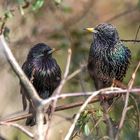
column 44, row 73
column 108, row 57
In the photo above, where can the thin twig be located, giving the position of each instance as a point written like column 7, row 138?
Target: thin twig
column 78, row 115
column 82, row 108
column 21, row 128
column 131, row 82
column 130, row 40
column 138, row 115
column 58, row 90
column 135, row 91
column 115, row 91
column 137, row 33
column 75, row 72
column 58, row 108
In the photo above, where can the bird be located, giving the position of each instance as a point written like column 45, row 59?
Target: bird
column 43, row 72
column 108, row 57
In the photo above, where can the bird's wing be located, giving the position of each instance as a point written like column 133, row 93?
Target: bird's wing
column 122, row 56
column 46, row 78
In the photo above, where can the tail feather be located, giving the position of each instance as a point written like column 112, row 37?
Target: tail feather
column 31, row 120
column 24, row 100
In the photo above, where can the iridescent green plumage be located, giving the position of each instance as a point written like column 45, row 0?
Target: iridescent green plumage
column 108, row 57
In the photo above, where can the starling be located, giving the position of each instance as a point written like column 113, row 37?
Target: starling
column 108, row 57
column 44, row 73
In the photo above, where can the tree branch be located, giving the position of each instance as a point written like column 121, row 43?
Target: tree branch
column 22, row 129
column 131, row 82
column 135, row 91
column 16, row 68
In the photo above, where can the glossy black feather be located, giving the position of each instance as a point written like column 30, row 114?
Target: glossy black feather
column 44, row 73
column 108, row 56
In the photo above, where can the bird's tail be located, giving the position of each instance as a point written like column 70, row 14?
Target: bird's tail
column 31, row 121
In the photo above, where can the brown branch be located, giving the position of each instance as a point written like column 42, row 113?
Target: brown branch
column 135, row 91
column 130, row 40
column 58, row 108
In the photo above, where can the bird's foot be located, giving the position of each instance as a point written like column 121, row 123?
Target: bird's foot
column 106, row 98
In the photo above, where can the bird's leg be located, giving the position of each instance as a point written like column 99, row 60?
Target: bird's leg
column 49, row 110
column 31, row 120
column 113, row 83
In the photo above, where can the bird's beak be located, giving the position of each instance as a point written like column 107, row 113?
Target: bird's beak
column 91, row 30
column 53, row 50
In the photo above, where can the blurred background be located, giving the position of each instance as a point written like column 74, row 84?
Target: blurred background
column 60, row 24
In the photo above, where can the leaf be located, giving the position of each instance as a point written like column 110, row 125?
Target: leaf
column 86, row 130
column 67, row 9
column 37, row 5
column 6, row 33
column 8, row 14
column 58, row 1
column 99, row 113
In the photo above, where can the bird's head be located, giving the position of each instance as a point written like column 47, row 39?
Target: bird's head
column 105, row 32
column 41, row 50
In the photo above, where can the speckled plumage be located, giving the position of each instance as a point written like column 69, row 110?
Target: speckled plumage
column 108, row 56
column 44, row 73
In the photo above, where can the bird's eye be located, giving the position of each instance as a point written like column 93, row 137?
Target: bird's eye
column 112, row 34
column 45, row 51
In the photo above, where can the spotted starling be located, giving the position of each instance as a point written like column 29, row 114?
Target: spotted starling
column 44, row 73
column 108, row 57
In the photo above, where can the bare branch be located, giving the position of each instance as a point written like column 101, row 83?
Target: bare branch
column 135, row 91
column 40, row 131
column 130, row 40
column 78, row 115
column 21, row 128
column 131, row 82
column 28, row 86
column 15, row 66
column 82, row 108
column 58, row 90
